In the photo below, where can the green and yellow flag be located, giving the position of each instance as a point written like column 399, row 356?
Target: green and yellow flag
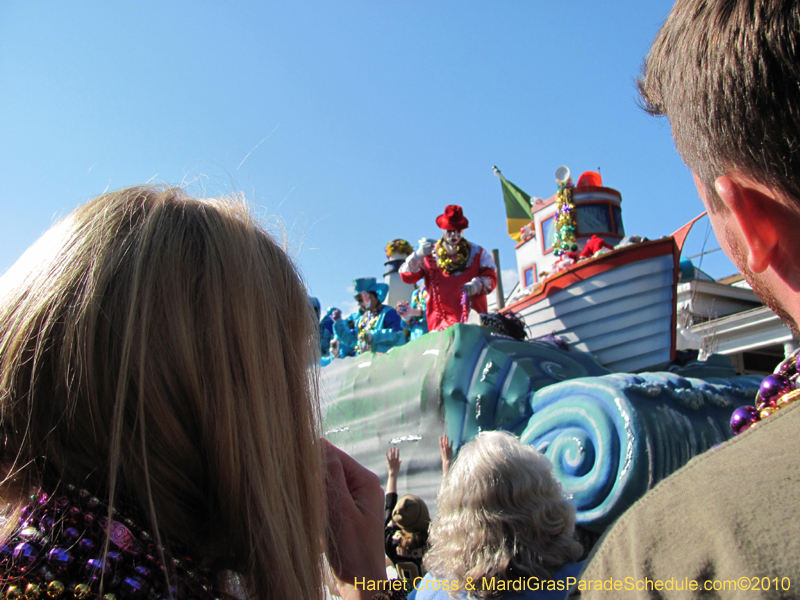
column 518, row 206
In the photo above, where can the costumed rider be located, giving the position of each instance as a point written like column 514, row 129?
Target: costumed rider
column 379, row 328
column 326, row 329
column 344, row 340
column 458, row 274
column 415, row 320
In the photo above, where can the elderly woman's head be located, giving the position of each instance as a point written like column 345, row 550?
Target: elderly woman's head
column 501, row 514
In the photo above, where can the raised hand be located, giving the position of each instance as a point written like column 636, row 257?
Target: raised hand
column 354, row 540
column 446, row 448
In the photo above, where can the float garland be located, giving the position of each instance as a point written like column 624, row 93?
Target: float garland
column 566, row 225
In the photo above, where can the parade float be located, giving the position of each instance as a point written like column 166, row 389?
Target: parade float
column 583, row 279
column 611, row 433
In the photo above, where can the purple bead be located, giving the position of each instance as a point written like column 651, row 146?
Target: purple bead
column 86, row 545
column 89, row 520
column 94, row 568
column 74, row 515
column 60, row 559
column 25, row 555
column 743, row 417
column 113, row 557
column 133, row 586
column 143, row 571
column 62, row 502
column 41, row 498
column 772, row 387
column 46, row 524
column 71, row 534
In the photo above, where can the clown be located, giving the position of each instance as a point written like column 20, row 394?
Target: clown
column 379, row 328
column 458, row 274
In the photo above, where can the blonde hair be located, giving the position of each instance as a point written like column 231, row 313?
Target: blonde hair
column 501, row 514
column 161, row 357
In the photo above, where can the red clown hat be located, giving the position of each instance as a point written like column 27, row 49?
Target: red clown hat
column 452, row 219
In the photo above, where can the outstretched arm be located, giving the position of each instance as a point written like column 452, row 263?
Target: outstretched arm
column 393, row 463
column 446, row 448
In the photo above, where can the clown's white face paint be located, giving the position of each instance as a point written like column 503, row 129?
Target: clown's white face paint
column 369, row 301
column 451, row 239
column 364, row 300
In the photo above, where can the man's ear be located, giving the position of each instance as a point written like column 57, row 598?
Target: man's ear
column 755, row 210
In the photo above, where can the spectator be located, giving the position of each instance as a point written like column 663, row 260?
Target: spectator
column 406, row 524
column 726, row 75
column 502, row 517
column 159, row 417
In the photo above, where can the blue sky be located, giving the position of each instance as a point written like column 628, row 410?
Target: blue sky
column 347, row 124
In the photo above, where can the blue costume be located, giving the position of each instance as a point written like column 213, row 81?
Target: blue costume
column 386, row 328
column 417, row 326
column 326, row 331
column 376, row 330
column 345, row 331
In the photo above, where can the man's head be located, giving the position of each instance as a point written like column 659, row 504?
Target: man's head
column 727, row 75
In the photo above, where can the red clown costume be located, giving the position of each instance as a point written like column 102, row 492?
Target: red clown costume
column 454, row 269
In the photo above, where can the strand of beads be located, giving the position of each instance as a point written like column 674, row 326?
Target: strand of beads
column 466, row 305
column 367, row 323
column 777, row 391
column 57, row 553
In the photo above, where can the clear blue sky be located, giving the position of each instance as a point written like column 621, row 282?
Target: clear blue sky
column 350, row 123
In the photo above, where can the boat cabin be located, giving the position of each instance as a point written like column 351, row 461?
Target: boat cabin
column 598, row 212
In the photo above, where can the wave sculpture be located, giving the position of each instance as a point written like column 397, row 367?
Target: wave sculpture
column 614, row 437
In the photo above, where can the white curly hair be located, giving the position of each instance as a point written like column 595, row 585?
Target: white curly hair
column 502, row 514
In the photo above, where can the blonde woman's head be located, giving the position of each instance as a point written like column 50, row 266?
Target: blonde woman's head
column 159, row 355
column 501, row 514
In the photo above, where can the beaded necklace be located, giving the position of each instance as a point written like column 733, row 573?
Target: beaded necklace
column 418, row 301
column 57, row 554
column 466, row 306
column 368, row 322
column 452, row 265
column 776, row 392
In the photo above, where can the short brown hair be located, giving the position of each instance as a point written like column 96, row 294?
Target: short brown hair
column 727, row 75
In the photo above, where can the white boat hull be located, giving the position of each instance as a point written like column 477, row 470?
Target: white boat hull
column 619, row 306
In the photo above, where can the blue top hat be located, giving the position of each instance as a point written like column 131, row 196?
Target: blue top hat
column 370, row 284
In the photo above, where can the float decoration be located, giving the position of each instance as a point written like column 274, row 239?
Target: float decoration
column 398, row 247
column 566, row 234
